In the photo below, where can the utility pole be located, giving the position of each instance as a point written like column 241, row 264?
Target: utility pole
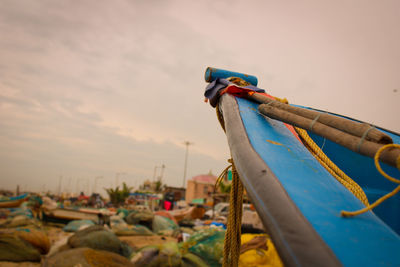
column 154, row 174
column 117, row 178
column 95, row 183
column 88, row 186
column 69, row 187
column 59, row 185
column 162, row 172
column 187, row 144
column 78, row 185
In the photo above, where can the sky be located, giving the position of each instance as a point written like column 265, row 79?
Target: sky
column 113, row 89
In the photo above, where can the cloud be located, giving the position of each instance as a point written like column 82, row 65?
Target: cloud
column 61, row 140
column 92, row 87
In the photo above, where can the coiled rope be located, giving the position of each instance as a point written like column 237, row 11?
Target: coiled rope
column 384, row 174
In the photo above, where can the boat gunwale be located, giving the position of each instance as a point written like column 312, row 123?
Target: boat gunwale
column 296, row 240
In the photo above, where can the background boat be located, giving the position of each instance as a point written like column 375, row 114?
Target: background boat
column 13, row 202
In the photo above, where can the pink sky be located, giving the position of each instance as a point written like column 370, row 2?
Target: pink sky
column 93, row 88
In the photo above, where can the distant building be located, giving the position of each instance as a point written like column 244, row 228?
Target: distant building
column 200, row 187
column 178, row 192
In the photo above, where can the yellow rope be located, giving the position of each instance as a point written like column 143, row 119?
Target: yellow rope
column 394, row 180
column 222, row 177
column 238, row 81
column 233, row 231
column 331, row 167
column 345, row 180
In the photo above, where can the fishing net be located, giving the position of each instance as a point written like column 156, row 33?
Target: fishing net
column 140, row 217
column 12, row 248
column 38, row 239
column 208, row 244
column 97, row 237
column 76, row 225
column 122, row 212
column 22, row 210
column 167, row 254
column 191, row 260
column 166, row 214
column 161, row 223
column 18, row 221
column 133, row 230
column 86, row 257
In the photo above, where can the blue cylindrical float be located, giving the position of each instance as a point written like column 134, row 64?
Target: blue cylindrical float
column 214, row 73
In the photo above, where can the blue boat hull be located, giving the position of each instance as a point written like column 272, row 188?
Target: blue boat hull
column 299, row 202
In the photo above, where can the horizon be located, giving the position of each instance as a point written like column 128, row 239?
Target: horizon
column 97, row 88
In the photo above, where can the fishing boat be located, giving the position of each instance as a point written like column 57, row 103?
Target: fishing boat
column 192, row 213
column 13, row 202
column 67, row 214
column 305, row 207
